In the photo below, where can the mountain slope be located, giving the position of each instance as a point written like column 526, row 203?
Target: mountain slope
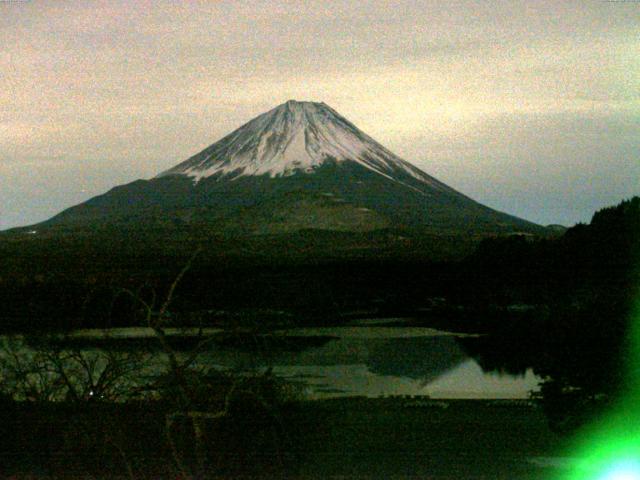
column 301, row 165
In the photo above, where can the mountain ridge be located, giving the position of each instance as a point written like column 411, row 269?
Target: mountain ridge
column 298, row 166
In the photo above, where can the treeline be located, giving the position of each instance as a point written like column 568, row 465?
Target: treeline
column 599, row 256
column 76, row 280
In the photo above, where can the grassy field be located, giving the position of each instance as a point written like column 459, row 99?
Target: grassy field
column 400, row 438
column 355, row 438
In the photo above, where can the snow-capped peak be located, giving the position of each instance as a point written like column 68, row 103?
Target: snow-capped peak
column 295, row 137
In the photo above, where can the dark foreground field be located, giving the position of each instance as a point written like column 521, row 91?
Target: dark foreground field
column 364, row 438
column 342, row 438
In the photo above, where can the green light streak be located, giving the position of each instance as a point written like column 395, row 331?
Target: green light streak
column 609, row 449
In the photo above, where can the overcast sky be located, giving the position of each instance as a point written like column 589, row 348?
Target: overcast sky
column 531, row 107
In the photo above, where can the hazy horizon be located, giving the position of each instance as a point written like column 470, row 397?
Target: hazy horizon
column 530, row 108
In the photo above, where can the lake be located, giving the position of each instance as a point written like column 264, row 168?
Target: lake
column 381, row 361
column 366, row 359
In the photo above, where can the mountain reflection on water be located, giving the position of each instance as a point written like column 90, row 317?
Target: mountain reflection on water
column 375, row 361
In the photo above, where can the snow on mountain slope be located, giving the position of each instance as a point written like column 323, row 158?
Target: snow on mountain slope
column 296, row 137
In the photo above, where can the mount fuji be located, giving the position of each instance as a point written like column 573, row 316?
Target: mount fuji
column 299, row 166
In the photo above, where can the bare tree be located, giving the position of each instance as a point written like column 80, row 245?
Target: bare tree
column 58, row 368
column 190, row 382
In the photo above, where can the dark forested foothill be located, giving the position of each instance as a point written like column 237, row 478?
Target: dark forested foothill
column 599, row 256
column 583, row 287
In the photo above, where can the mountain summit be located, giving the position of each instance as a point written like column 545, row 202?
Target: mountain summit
column 299, row 166
column 295, row 137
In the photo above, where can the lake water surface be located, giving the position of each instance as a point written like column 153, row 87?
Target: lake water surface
column 357, row 360
column 380, row 361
